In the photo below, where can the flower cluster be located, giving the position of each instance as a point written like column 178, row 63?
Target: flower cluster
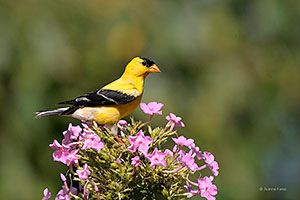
column 75, row 139
column 134, row 163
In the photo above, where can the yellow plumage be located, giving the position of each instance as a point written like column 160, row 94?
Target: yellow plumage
column 113, row 101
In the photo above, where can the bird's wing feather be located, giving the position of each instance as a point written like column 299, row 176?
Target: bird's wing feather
column 101, row 97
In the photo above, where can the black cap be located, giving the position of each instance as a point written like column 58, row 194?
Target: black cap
column 147, row 62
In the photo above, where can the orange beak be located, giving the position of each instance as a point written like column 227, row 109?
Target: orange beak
column 154, row 69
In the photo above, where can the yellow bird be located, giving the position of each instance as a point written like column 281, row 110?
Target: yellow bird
column 113, row 101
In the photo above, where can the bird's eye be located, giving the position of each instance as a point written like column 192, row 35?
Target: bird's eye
column 147, row 62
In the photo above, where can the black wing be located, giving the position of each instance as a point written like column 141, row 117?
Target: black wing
column 100, row 97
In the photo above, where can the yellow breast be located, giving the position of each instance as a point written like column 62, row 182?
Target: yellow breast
column 112, row 114
column 126, row 109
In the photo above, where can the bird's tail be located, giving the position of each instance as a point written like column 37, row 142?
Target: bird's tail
column 46, row 113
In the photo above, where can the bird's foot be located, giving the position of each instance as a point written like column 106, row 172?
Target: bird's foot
column 115, row 131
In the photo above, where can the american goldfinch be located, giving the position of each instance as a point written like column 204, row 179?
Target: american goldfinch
column 113, row 101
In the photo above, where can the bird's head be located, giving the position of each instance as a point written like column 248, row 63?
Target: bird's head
column 141, row 66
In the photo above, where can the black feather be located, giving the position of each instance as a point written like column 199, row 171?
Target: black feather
column 100, row 97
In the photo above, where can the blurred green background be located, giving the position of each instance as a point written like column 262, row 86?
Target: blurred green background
column 230, row 69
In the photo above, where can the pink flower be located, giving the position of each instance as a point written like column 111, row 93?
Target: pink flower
column 55, row 145
column 63, row 178
column 168, row 152
column 135, row 161
column 46, row 194
column 182, row 141
column 207, row 188
column 64, row 193
column 84, row 173
column 122, row 124
column 91, row 141
column 190, row 191
column 96, row 188
column 71, row 157
column 211, row 163
column 152, row 108
column 188, row 161
column 175, row 121
column 139, row 142
column 59, row 150
column 157, row 158
column 175, row 148
column 63, row 153
column 214, row 167
column 71, row 134
column 208, row 157
column 197, row 151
